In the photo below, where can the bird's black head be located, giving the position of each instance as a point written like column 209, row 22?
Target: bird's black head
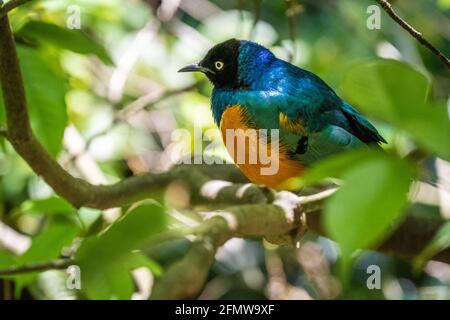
column 220, row 64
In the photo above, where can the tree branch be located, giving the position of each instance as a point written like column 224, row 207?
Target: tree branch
column 238, row 221
column 35, row 267
column 277, row 225
column 261, row 218
column 12, row 4
column 416, row 34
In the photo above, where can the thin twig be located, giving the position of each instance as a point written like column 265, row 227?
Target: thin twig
column 40, row 266
column 316, row 197
column 150, row 100
column 416, row 34
column 12, row 4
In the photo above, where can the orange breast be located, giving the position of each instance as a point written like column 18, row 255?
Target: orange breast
column 263, row 160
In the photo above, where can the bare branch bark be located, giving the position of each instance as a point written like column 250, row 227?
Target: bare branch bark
column 410, row 29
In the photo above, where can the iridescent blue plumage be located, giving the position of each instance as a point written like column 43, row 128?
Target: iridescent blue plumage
column 273, row 86
column 255, row 89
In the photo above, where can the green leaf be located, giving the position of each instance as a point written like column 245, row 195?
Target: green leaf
column 397, row 93
column 107, row 259
column 87, row 217
column 6, row 259
column 50, row 205
column 430, row 125
column 440, row 242
column 91, row 220
column 73, row 40
column 369, row 204
column 444, row 4
column 45, row 246
column 45, row 91
column 331, row 167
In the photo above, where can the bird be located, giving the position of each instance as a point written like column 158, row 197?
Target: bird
column 275, row 103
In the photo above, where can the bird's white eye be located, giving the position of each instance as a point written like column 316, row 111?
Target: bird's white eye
column 219, row 65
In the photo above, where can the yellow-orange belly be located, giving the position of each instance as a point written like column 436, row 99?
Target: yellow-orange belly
column 262, row 161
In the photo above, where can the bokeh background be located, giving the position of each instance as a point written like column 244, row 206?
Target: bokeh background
column 107, row 105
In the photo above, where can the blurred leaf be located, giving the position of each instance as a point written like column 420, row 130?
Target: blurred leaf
column 45, row 246
column 16, row 178
column 73, row 40
column 396, row 93
column 440, row 241
column 365, row 209
column 88, row 219
column 51, row 205
column 444, row 4
column 431, row 127
column 6, row 259
column 331, row 167
column 91, row 220
column 107, row 259
column 45, row 92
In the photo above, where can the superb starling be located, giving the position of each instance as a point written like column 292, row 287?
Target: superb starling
column 254, row 90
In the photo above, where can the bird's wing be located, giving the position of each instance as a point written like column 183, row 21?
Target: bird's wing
column 360, row 126
column 327, row 142
column 313, row 104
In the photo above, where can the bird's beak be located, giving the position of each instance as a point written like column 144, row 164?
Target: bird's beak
column 195, row 67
